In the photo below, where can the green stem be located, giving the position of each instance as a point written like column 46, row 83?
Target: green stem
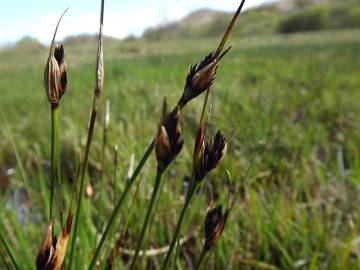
column 147, row 218
column 151, row 223
column 192, row 189
column 122, row 198
column 115, row 172
column 202, row 256
column 176, row 252
column 120, row 202
column 9, row 252
column 80, row 194
column 99, row 79
column 124, row 229
column 59, row 180
column 54, row 154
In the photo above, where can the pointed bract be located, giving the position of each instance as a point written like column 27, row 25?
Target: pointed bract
column 200, row 77
column 55, row 77
column 214, row 226
column 169, row 139
column 210, row 156
column 46, row 250
column 52, row 253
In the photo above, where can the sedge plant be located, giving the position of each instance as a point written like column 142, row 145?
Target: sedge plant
column 55, row 84
column 52, row 250
column 199, row 79
column 206, row 157
column 168, row 145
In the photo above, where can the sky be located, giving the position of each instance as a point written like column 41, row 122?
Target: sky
column 37, row 18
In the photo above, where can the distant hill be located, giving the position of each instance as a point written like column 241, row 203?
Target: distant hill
column 27, row 43
column 282, row 16
column 85, row 38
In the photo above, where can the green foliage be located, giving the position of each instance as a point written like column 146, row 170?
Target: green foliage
column 305, row 20
column 305, row 15
column 319, row 17
column 296, row 95
column 354, row 17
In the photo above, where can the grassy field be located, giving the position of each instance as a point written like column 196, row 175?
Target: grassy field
column 296, row 101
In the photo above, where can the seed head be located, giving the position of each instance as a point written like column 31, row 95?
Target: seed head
column 210, row 156
column 47, row 249
column 214, row 226
column 52, row 251
column 169, row 139
column 55, row 79
column 201, row 76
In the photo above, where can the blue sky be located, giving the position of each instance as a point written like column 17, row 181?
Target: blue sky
column 37, row 18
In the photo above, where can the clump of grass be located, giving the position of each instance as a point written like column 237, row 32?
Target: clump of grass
column 199, row 79
column 167, row 143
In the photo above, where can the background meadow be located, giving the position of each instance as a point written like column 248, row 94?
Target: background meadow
column 295, row 154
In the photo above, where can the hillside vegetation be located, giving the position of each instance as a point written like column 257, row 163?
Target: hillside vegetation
column 285, row 16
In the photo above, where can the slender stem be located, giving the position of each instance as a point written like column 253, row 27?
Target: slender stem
column 80, row 194
column 4, row 260
column 99, row 79
column 151, row 223
column 191, row 192
column 9, row 252
column 176, row 252
column 115, row 172
column 102, row 178
column 114, row 253
column 58, row 175
column 119, row 203
column 123, row 195
column 201, row 258
column 54, row 154
column 147, row 218
column 202, row 118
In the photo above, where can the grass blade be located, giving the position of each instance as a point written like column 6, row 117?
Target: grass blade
column 99, row 73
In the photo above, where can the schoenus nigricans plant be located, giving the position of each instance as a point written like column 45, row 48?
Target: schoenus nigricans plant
column 198, row 80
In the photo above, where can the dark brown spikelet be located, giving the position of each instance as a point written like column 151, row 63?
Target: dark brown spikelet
column 46, row 250
column 55, row 78
column 214, row 226
column 52, row 251
column 60, row 56
column 201, row 76
column 169, row 139
column 212, row 154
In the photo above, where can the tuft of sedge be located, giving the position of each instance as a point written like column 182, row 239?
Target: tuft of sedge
column 52, row 251
column 209, row 155
column 215, row 222
column 169, row 139
column 55, row 78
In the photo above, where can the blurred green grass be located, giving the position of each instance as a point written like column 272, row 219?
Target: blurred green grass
column 295, row 95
